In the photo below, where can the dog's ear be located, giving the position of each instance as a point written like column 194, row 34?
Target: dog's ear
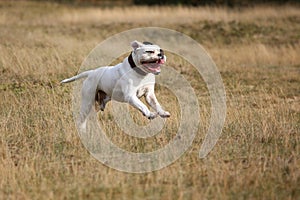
column 136, row 44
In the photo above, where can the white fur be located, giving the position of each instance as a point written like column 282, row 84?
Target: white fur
column 122, row 84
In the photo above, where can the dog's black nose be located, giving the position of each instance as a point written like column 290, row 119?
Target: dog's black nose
column 162, row 52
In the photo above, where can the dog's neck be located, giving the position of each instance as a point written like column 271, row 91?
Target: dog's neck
column 134, row 67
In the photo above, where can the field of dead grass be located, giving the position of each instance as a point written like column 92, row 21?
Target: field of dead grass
column 257, row 51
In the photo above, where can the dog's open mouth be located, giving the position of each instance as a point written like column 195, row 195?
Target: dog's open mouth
column 158, row 61
column 153, row 65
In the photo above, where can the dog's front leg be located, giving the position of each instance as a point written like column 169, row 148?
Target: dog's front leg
column 153, row 102
column 135, row 102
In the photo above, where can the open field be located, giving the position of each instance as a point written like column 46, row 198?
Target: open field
column 257, row 51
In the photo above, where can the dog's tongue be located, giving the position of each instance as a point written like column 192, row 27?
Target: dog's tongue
column 161, row 61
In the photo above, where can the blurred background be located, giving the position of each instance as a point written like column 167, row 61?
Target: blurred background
column 230, row 3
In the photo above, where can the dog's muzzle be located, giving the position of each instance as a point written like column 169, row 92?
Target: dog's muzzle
column 153, row 66
column 148, row 66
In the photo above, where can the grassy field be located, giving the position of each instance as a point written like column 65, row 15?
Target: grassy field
column 257, row 51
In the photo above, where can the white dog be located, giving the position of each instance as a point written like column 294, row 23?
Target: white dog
column 125, row 82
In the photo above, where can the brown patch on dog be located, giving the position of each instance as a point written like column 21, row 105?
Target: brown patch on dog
column 100, row 96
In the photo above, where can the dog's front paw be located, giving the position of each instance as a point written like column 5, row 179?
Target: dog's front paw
column 151, row 115
column 164, row 114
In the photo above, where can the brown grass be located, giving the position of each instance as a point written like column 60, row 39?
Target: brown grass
column 257, row 52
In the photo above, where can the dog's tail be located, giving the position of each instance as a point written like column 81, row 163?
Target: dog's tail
column 74, row 78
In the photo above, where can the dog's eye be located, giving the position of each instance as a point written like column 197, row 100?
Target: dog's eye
column 149, row 51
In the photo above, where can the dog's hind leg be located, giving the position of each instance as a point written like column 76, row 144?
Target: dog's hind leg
column 88, row 100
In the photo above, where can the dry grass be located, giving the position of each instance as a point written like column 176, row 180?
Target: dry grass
column 159, row 15
column 257, row 51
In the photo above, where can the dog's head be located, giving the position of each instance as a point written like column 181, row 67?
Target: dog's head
column 148, row 57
